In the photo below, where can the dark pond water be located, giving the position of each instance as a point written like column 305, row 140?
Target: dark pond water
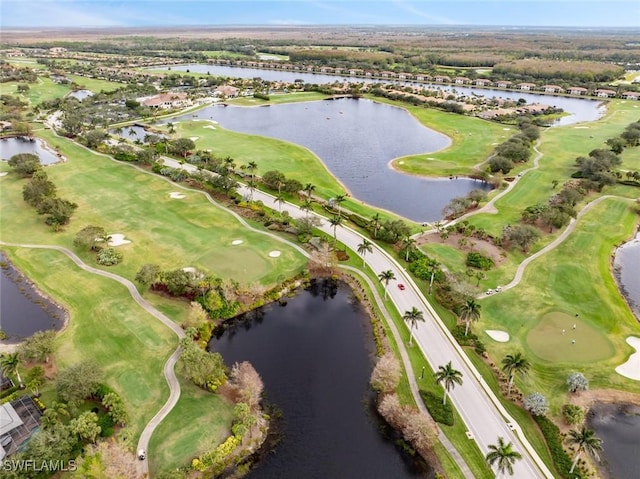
column 80, row 94
column 619, row 428
column 14, row 146
column 579, row 109
column 22, row 310
column 626, row 264
column 356, row 140
column 315, row 358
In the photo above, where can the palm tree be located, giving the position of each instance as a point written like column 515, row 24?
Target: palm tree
column 470, row 311
column 9, row 363
column 412, row 317
column 279, row 199
column 385, row 277
column 365, row 247
column 335, row 222
column 252, row 166
column 504, row 455
column 432, row 267
column 375, row 221
column 307, row 206
column 339, row 199
column 408, row 245
column 309, row 188
column 450, row 377
column 512, row 364
column 586, row 440
column 252, row 186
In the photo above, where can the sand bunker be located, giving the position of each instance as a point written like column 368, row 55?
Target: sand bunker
column 496, row 335
column 117, row 239
column 236, row 242
column 194, row 138
column 211, row 127
column 631, row 369
column 581, row 127
column 4, row 173
column 176, row 196
column 274, row 254
column 506, row 129
column 189, row 269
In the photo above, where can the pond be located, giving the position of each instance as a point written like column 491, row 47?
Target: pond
column 15, row 145
column 618, row 426
column 22, row 310
column 356, row 140
column 579, row 109
column 315, row 358
column 627, row 259
column 80, row 94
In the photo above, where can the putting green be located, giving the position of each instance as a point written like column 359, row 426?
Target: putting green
column 548, row 342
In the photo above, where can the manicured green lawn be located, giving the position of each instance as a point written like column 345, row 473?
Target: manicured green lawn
column 473, row 141
column 43, row 90
column 169, row 232
column 279, row 98
column 199, row 422
column 106, row 326
column 573, row 278
column 94, row 84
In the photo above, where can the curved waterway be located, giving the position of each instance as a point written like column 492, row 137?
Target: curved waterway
column 618, row 426
column 579, row 109
column 17, row 145
column 356, row 140
column 626, row 263
column 315, row 358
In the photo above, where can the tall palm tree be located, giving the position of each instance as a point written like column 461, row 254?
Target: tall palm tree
column 365, row 247
column 385, row 277
column 412, row 317
column 408, row 245
column 470, row 311
column 586, row 440
column 279, row 199
column 450, row 377
column 252, row 166
column 375, row 221
column 339, row 199
column 515, row 363
column 307, row 206
column 432, row 267
column 9, row 363
column 252, row 186
column 309, row 188
column 504, row 455
column 335, row 222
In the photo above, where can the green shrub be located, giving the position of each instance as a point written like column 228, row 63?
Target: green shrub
column 573, row 414
column 441, row 413
column 553, row 438
column 479, row 261
column 109, row 257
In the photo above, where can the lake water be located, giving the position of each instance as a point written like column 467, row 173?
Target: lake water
column 619, row 428
column 626, row 263
column 81, row 94
column 315, row 358
column 356, row 140
column 16, row 145
column 579, row 109
column 22, row 310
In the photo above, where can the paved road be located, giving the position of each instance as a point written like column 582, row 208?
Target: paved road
column 169, row 373
column 483, row 414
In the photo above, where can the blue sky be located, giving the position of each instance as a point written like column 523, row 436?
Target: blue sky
column 105, row 13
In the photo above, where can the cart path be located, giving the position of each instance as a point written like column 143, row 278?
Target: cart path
column 169, row 372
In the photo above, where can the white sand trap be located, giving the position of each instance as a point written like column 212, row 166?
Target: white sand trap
column 117, row 239
column 506, row 129
column 496, row 335
column 581, row 127
column 236, row 242
column 194, row 138
column 211, row 127
column 631, row 369
column 4, row 173
column 189, row 269
column 401, row 162
column 176, row 196
column 274, row 254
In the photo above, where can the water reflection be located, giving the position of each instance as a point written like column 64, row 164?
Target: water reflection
column 314, row 356
column 17, row 145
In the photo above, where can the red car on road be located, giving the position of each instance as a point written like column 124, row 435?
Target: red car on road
column 401, row 286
